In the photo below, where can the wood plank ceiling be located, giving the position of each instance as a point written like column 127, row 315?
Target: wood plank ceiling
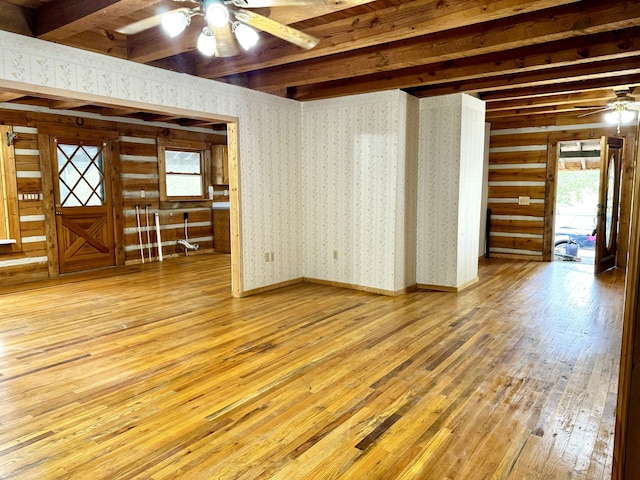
column 526, row 58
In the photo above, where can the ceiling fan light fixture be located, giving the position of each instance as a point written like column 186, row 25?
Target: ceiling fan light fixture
column 627, row 116
column 216, row 14
column 207, row 44
column 174, row 23
column 619, row 115
column 611, row 117
column 247, row 37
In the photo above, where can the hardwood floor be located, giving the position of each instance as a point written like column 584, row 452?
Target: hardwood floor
column 154, row 371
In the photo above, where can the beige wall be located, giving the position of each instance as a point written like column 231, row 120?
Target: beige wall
column 359, row 161
column 450, row 172
column 269, row 131
column 361, row 153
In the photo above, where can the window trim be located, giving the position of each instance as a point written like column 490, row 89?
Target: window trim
column 10, row 208
column 205, row 167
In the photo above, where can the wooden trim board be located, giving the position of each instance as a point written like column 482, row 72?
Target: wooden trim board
column 443, row 288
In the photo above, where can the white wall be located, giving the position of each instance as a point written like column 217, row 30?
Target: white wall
column 451, row 150
column 472, row 154
column 269, row 129
column 357, row 161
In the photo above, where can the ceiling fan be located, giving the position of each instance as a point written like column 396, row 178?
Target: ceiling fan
column 620, row 108
column 227, row 22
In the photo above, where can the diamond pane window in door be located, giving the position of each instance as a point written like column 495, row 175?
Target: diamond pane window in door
column 81, row 175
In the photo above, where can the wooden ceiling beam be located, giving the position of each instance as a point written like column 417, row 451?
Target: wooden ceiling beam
column 15, row 18
column 544, row 110
column 288, row 15
column 196, row 122
column 583, row 72
column 178, row 63
column 603, row 46
column 9, row 96
column 100, row 41
column 60, row 19
column 524, row 120
column 595, row 97
column 66, row 104
column 154, row 44
column 164, row 118
column 490, row 80
column 568, row 87
column 525, row 58
column 117, row 112
column 409, row 20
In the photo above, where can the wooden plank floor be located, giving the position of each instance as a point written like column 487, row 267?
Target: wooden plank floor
column 154, row 371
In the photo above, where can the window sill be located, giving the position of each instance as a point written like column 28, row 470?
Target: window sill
column 175, row 204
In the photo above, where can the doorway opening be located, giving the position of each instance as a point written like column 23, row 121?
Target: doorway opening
column 575, row 210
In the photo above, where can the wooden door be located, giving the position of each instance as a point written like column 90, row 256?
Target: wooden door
column 608, row 204
column 82, row 193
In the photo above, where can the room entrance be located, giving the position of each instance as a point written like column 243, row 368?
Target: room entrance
column 587, row 202
column 577, row 186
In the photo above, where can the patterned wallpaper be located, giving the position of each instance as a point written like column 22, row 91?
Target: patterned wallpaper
column 271, row 183
column 406, row 195
column 330, row 189
column 355, row 157
column 29, row 64
column 451, row 146
column 470, row 205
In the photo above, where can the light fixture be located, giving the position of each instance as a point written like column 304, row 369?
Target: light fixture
column 216, row 13
column 611, row 117
column 620, row 115
column 174, row 23
column 247, row 37
column 216, row 16
column 627, row 116
column 207, row 44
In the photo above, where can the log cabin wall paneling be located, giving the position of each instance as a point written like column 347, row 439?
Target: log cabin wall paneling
column 31, row 259
column 522, row 163
column 139, row 173
column 136, row 168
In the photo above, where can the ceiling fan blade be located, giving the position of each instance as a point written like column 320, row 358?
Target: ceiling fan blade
column 277, row 29
column 140, row 26
column 225, row 41
column 593, row 113
column 146, row 23
column 277, row 3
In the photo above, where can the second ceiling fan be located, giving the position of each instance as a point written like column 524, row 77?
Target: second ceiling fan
column 227, row 22
column 621, row 108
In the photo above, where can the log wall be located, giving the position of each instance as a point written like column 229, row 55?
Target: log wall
column 136, row 168
column 522, row 163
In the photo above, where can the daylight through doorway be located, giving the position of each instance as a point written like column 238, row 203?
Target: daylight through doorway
column 577, row 186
